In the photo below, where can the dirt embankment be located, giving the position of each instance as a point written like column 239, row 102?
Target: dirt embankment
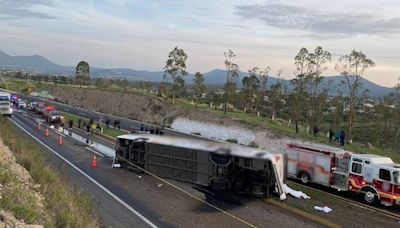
column 146, row 108
column 152, row 109
column 16, row 185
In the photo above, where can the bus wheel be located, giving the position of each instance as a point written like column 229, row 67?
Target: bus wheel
column 369, row 196
column 304, row 177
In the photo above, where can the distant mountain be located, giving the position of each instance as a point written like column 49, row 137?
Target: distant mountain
column 39, row 64
column 34, row 63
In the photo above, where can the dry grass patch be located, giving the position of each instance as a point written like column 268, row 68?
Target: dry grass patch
column 64, row 206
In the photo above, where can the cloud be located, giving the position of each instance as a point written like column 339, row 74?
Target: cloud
column 19, row 9
column 320, row 24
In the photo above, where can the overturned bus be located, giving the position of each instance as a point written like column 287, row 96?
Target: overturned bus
column 213, row 165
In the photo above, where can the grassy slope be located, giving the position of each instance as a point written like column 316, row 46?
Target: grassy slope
column 65, row 206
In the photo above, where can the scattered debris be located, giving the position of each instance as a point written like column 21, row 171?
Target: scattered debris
column 159, row 185
column 294, row 193
column 140, row 177
column 324, row 209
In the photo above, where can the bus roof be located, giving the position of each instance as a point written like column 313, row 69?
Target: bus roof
column 205, row 145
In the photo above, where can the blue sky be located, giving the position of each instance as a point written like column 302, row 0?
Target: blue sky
column 139, row 34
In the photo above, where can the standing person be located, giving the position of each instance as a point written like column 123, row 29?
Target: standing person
column 331, row 135
column 79, row 123
column 87, row 133
column 62, row 122
column 107, row 123
column 71, row 123
column 315, row 131
column 337, row 136
column 119, row 124
column 342, row 137
column 141, row 128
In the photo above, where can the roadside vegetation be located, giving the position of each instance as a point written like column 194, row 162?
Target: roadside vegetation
column 64, row 206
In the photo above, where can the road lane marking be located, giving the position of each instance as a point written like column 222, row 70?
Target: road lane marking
column 192, row 196
column 140, row 216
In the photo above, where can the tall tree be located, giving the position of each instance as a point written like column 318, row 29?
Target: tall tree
column 82, row 73
column 199, row 87
column 396, row 139
column 232, row 73
column 301, row 62
column 251, row 84
column 275, row 94
column 317, row 60
column 175, row 70
column 263, row 76
column 352, row 67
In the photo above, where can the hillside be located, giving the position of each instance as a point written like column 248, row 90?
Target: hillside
column 39, row 64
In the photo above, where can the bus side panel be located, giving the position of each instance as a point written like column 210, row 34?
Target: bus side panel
column 172, row 162
column 203, row 168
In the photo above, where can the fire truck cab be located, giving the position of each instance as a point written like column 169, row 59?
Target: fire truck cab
column 376, row 178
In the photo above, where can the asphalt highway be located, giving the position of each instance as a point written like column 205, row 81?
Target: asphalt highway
column 116, row 206
column 125, row 123
column 121, row 197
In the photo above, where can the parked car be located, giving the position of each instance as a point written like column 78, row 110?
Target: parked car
column 40, row 107
column 32, row 105
column 46, row 111
column 21, row 104
column 54, row 117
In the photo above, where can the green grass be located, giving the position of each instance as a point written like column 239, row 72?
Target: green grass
column 65, row 207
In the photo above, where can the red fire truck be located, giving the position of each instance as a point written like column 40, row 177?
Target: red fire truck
column 376, row 178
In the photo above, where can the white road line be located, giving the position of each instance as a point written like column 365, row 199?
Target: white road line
column 140, row 216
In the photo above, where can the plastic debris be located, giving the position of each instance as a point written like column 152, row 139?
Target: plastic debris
column 140, row 177
column 324, row 209
column 294, row 193
column 159, row 185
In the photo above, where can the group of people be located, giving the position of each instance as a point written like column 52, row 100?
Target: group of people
column 338, row 137
column 116, row 124
column 151, row 130
column 334, row 137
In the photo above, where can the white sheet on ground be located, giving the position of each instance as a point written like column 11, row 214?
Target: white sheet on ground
column 324, row 209
column 294, row 193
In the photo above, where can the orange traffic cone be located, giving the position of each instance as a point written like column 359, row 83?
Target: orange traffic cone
column 39, row 126
column 47, row 133
column 60, row 140
column 94, row 162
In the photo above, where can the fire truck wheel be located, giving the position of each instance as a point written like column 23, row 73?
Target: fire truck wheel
column 369, row 195
column 304, row 177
